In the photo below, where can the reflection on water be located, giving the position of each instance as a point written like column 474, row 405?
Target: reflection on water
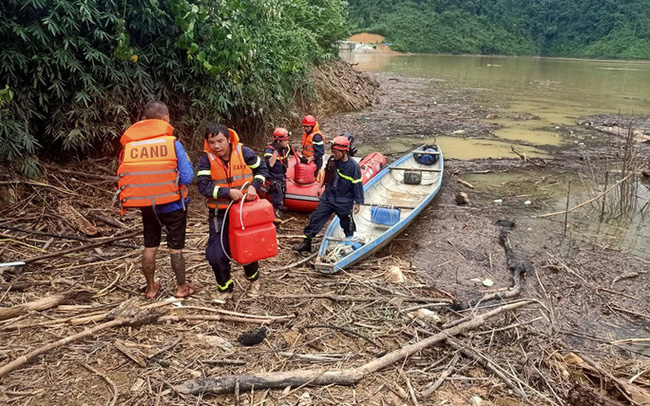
column 529, row 135
column 546, row 193
column 558, row 91
column 456, row 148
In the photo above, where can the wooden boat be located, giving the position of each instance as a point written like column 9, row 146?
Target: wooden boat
column 304, row 197
column 393, row 199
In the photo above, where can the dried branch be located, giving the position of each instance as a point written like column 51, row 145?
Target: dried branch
column 226, row 384
column 45, row 303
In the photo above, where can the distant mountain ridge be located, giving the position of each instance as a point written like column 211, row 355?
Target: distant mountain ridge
column 612, row 29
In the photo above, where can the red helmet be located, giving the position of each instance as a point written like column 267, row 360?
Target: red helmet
column 280, row 134
column 341, row 143
column 309, row 120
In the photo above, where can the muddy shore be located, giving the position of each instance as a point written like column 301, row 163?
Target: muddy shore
column 457, row 243
column 592, row 293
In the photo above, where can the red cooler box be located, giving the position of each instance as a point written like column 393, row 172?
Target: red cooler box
column 251, row 231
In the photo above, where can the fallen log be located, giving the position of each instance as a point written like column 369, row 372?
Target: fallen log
column 345, row 298
column 634, row 394
column 125, row 314
column 76, row 219
column 350, row 376
column 294, row 264
column 526, row 159
column 107, row 220
column 71, row 250
column 111, row 384
column 516, row 266
column 64, row 236
column 231, row 319
column 85, row 174
column 44, row 303
column 465, row 183
column 427, row 391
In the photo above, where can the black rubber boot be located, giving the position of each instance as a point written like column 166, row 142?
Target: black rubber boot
column 304, row 246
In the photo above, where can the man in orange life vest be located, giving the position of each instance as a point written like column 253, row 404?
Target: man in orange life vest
column 313, row 144
column 153, row 175
column 343, row 193
column 224, row 168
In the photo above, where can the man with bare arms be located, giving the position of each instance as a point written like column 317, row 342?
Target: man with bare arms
column 153, row 175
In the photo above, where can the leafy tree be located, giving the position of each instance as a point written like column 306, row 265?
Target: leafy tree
column 76, row 73
column 579, row 28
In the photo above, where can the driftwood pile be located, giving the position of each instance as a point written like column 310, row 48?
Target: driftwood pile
column 75, row 329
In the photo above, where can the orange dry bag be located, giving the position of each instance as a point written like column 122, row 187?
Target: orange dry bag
column 251, row 232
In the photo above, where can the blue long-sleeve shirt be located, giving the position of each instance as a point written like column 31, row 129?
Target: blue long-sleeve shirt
column 345, row 183
column 204, row 178
column 279, row 170
column 186, row 174
column 319, row 147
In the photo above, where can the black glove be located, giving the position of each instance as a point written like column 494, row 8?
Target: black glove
column 303, row 160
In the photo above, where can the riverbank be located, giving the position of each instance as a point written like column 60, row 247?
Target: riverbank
column 590, row 296
column 591, row 273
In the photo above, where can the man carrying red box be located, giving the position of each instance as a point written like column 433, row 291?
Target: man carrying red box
column 225, row 167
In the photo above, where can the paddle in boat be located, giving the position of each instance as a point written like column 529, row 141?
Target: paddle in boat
column 393, row 199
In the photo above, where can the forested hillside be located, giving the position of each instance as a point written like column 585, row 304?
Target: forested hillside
column 75, row 73
column 580, row 28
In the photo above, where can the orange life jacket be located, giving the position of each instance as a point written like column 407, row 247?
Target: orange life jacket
column 308, row 141
column 148, row 172
column 235, row 175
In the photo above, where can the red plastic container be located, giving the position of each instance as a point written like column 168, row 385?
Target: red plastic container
column 305, row 173
column 302, row 197
column 251, row 232
column 371, row 165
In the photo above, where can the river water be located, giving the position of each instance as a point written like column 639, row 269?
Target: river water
column 558, row 92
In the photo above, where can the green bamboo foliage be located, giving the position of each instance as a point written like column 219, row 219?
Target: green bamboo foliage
column 75, row 73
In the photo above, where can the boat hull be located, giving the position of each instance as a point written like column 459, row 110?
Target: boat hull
column 389, row 191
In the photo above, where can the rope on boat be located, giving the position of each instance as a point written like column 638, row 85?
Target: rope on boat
column 337, row 251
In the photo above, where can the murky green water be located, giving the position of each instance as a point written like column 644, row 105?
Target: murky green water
column 535, row 193
column 553, row 92
column 456, row 147
column 558, row 91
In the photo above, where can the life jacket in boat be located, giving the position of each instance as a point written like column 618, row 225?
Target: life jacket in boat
column 308, row 141
column 148, row 168
column 233, row 175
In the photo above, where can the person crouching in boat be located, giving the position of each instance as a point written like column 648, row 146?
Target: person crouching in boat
column 343, row 194
column 225, row 167
column 313, row 143
column 276, row 157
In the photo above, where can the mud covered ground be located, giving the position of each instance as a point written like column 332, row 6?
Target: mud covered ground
column 453, row 244
column 590, row 293
column 596, row 289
